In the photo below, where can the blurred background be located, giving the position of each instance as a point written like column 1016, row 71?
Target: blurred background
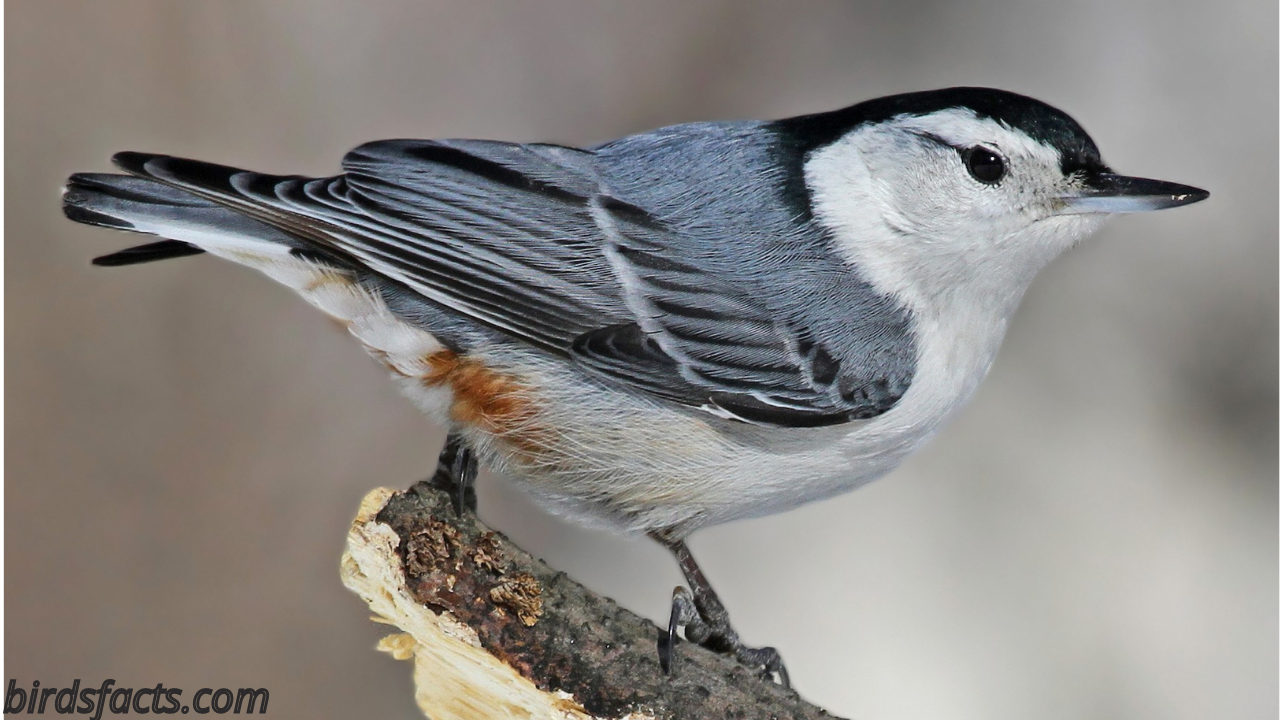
column 1095, row 536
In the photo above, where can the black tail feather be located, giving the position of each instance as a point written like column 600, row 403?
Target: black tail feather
column 93, row 217
column 162, row 250
column 139, row 204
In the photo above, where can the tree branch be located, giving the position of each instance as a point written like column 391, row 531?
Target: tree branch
column 495, row 633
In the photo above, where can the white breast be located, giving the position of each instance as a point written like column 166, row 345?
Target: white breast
column 626, row 462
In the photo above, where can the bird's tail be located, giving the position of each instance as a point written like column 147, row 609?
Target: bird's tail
column 190, row 224
column 197, row 208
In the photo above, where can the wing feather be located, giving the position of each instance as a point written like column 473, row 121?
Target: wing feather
column 525, row 239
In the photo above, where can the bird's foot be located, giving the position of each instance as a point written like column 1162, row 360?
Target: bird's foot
column 709, row 627
column 456, row 474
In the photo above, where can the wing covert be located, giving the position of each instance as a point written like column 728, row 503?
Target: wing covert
column 709, row 343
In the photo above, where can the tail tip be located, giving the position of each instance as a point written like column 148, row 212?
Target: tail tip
column 76, row 212
column 163, row 250
column 132, row 162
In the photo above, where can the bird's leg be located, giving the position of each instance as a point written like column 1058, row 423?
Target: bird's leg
column 456, row 473
column 706, row 622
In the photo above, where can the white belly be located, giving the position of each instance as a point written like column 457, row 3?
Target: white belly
column 628, row 463
column 625, row 462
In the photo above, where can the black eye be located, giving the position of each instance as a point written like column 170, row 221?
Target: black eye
column 983, row 164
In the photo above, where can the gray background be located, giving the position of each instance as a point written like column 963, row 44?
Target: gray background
column 1095, row 536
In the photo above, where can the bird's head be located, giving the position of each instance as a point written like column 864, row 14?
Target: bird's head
column 961, row 188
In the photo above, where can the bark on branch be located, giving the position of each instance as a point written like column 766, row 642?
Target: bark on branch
column 495, row 633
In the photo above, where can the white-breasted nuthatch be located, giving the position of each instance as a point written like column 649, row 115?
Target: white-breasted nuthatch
column 705, row 322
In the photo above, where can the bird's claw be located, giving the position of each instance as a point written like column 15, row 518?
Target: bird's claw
column 709, row 627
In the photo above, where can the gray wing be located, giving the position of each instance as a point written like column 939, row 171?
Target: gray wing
column 523, row 239
column 500, row 231
column 703, row 341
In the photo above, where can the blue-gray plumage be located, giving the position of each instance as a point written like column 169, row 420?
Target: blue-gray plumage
column 767, row 329
column 683, row 327
column 511, row 235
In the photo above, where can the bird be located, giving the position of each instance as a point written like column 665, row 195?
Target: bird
column 702, row 323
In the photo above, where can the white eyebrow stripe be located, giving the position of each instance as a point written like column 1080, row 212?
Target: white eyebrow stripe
column 962, row 128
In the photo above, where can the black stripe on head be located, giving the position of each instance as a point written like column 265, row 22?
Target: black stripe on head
column 1040, row 121
column 800, row 136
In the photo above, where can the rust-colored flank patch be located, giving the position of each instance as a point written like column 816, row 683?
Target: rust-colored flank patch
column 492, row 401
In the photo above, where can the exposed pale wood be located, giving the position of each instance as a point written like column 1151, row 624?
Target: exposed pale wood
column 494, row 633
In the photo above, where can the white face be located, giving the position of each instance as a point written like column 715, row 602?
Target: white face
column 945, row 203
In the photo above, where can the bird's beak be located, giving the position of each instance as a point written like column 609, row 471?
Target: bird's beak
column 1107, row 193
